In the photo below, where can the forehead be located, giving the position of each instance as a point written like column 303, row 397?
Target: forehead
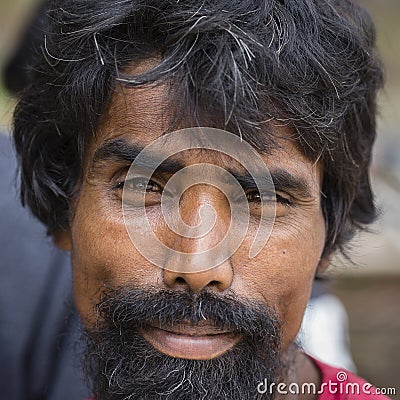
column 154, row 109
column 142, row 115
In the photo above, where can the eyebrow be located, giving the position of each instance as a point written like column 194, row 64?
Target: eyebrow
column 120, row 150
column 282, row 179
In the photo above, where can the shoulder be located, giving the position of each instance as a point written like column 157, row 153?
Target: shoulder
column 340, row 384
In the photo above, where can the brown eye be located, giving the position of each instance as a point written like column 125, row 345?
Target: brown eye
column 255, row 197
column 140, row 191
column 141, row 184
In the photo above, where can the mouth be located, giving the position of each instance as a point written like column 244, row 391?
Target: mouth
column 196, row 342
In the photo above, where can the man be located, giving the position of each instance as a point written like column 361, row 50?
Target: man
column 201, row 161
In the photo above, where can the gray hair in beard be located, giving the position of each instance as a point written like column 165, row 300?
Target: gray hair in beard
column 121, row 364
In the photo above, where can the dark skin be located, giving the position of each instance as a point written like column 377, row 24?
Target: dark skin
column 281, row 275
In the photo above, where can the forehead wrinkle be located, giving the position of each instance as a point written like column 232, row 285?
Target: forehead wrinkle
column 148, row 111
column 138, row 110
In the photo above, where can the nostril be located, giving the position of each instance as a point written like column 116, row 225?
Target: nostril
column 217, row 279
column 180, row 281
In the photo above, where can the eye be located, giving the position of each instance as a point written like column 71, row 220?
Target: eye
column 139, row 184
column 140, row 191
column 254, row 196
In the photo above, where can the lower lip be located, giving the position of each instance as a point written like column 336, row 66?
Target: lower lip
column 203, row 347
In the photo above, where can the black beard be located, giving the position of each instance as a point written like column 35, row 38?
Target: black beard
column 121, row 364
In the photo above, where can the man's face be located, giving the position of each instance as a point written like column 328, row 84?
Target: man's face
column 103, row 256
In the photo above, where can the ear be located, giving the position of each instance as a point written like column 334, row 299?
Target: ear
column 62, row 240
column 323, row 265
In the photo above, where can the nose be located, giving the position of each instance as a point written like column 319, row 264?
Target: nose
column 183, row 272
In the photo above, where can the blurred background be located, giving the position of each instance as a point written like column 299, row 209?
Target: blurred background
column 370, row 286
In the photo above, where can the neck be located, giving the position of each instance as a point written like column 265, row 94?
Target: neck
column 300, row 372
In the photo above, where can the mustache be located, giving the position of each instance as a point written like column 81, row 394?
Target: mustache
column 131, row 308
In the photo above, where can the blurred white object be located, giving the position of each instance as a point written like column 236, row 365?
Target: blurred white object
column 324, row 332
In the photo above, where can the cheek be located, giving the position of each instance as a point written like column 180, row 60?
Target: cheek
column 103, row 254
column 283, row 273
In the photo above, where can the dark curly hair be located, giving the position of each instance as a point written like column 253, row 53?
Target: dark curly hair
column 230, row 63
